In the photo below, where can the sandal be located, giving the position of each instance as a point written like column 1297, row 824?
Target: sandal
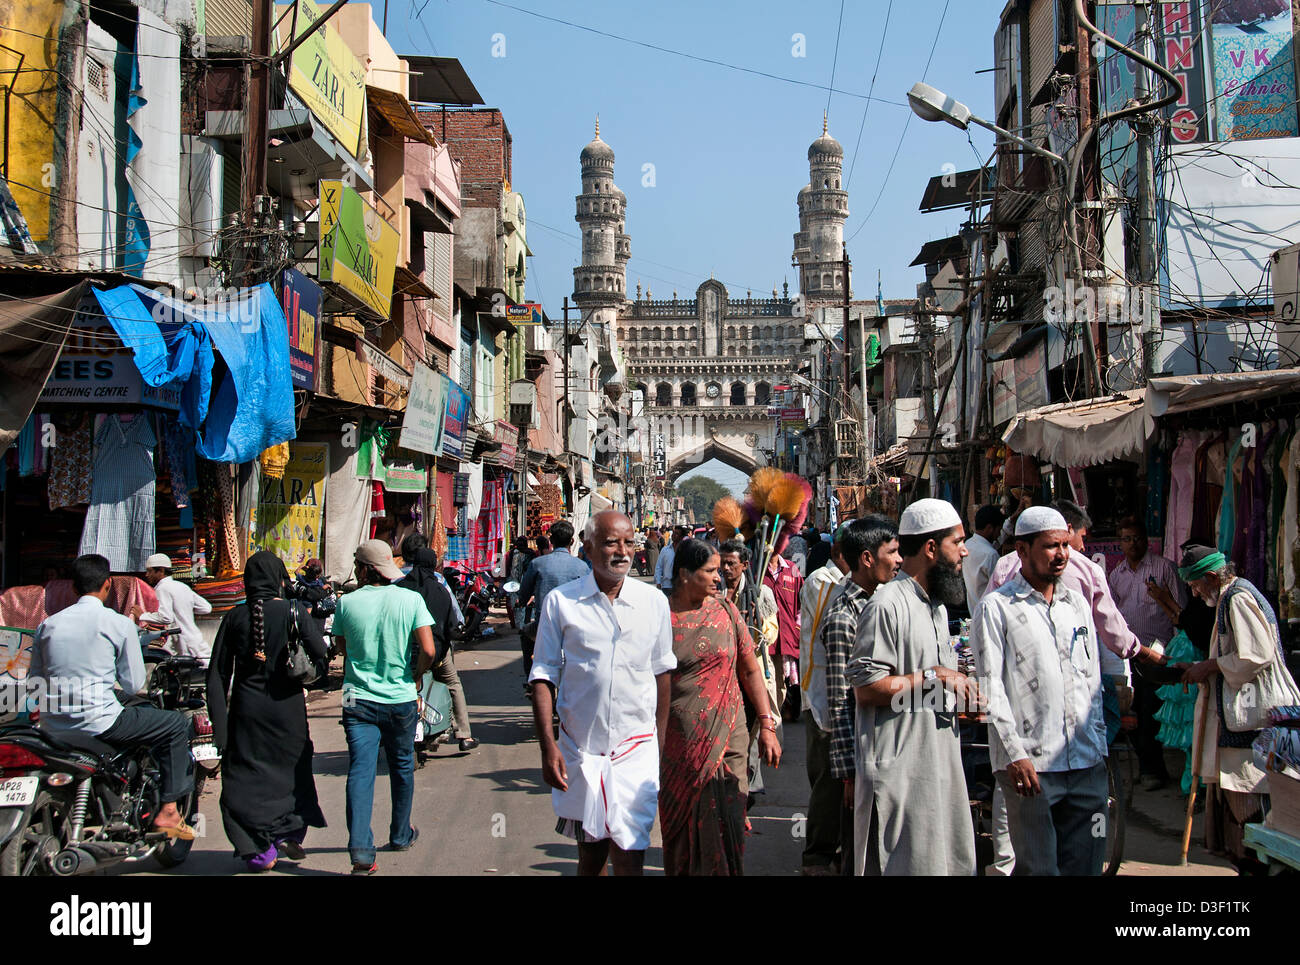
column 183, row 831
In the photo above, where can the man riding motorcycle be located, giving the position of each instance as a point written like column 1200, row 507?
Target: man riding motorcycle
column 81, row 652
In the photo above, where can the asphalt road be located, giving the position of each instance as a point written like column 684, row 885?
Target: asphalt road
column 486, row 812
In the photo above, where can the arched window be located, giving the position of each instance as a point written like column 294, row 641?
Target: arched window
column 681, row 351
column 731, row 351
column 731, row 331
column 691, row 334
column 737, row 393
column 762, row 393
column 681, row 331
column 826, row 279
column 663, row 395
column 658, row 333
column 688, row 393
column 744, row 331
column 826, row 183
column 744, row 351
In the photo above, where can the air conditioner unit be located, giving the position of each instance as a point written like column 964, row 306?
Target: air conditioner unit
column 524, row 416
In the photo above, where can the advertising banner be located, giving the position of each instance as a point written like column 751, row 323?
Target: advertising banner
column 290, row 510
column 95, row 368
column 301, row 298
column 328, row 78
column 426, row 408
column 1254, row 74
column 358, row 248
column 457, row 409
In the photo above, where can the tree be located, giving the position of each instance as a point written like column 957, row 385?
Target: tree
column 700, row 493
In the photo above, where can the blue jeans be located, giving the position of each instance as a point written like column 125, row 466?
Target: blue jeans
column 367, row 725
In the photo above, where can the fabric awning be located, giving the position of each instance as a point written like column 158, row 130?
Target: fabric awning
column 1185, row 393
column 1084, row 433
column 600, row 503
column 395, row 109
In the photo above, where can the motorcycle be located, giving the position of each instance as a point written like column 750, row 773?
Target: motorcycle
column 73, row 804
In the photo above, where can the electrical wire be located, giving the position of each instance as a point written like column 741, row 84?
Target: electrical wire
column 835, row 59
column 875, row 71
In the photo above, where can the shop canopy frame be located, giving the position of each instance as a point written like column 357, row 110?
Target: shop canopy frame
column 1095, row 431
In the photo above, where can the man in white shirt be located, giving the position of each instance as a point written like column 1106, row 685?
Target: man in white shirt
column 177, row 605
column 664, row 568
column 603, row 656
column 824, row 802
column 1036, row 652
column 978, row 567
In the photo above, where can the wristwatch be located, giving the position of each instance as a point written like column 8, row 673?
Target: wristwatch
column 929, row 674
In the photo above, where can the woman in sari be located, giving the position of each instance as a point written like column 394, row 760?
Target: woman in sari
column 268, row 794
column 703, row 781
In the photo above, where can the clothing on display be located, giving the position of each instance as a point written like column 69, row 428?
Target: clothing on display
column 120, row 522
column 69, row 482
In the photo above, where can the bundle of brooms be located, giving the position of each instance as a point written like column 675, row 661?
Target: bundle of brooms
column 776, row 505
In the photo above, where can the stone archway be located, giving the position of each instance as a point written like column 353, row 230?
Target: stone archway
column 685, row 461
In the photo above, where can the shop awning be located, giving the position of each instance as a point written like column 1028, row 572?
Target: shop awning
column 599, row 503
column 1084, row 433
column 397, row 111
column 1185, row 393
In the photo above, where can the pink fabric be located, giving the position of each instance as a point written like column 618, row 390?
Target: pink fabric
column 1182, row 493
column 25, row 607
column 1086, row 577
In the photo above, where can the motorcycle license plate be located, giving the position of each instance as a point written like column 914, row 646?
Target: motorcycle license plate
column 18, row 791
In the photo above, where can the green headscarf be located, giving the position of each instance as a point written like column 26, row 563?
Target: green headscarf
column 1198, row 561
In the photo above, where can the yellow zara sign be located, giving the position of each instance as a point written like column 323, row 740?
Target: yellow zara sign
column 358, row 248
column 328, row 77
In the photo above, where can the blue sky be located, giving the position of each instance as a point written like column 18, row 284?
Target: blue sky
column 728, row 148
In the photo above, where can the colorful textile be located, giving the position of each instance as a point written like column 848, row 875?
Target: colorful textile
column 178, row 446
column 1178, row 708
column 703, row 766
column 274, row 460
column 120, row 522
column 25, row 607
column 69, row 482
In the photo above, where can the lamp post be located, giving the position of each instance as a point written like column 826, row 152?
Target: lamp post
column 931, row 104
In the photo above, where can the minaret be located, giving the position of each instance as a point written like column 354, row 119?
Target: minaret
column 823, row 208
column 600, row 282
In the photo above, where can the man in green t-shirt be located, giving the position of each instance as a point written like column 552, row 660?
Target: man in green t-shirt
column 374, row 626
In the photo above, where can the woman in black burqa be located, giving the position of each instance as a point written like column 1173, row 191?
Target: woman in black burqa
column 259, row 720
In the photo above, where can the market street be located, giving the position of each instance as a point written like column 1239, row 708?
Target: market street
column 487, row 813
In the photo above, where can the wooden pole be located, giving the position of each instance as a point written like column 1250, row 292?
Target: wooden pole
column 1197, row 744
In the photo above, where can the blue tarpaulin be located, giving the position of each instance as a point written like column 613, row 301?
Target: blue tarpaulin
column 230, row 355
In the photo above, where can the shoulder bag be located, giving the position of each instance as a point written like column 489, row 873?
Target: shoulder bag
column 298, row 664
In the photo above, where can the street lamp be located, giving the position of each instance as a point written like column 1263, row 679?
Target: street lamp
column 931, row 104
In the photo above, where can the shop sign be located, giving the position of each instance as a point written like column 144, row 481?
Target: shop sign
column 508, row 436
column 358, row 247
column 328, row 77
column 1254, row 76
column 457, row 409
column 405, row 476
column 301, row 297
column 528, row 313
column 291, row 509
column 95, row 368
column 425, row 416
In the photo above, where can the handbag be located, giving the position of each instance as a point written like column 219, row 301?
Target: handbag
column 1245, row 710
column 298, row 664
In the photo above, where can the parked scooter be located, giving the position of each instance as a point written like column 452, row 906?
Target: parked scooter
column 74, row 804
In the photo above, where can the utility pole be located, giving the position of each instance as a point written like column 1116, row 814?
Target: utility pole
column 257, row 107
column 844, row 335
column 567, row 403
column 1145, row 125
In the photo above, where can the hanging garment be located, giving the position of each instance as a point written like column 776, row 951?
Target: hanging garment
column 1157, row 486
column 1208, row 491
column 120, row 522
column 178, row 444
column 26, row 447
column 376, row 507
column 1226, row 534
column 347, row 515
column 1289, row 549
column 1257, row 519
column 69, row 483
column 438, row 526
column 1182, row 488
column 1277, row 457
column 274, row 460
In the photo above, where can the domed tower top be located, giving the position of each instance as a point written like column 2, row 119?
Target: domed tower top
column 823, row 208
column 825, row 144
column 598, row 153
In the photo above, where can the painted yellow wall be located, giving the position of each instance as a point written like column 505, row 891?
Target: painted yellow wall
column 32, row 28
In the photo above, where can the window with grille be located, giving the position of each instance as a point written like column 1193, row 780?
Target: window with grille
column 97, row 78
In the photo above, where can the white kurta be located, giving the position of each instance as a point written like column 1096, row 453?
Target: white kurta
column 603, row 658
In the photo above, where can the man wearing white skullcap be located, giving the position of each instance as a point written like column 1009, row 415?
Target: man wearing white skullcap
column 1036, row 653
column 177, row 606
column 911, row 808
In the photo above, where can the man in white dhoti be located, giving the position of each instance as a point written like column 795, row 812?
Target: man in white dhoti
column 605, row 644
column 911, row 808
